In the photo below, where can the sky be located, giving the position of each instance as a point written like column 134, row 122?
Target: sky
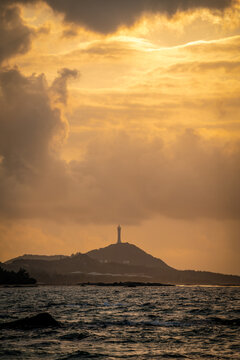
column 121, row 112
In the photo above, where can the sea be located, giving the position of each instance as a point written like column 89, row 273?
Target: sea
column 176, row 322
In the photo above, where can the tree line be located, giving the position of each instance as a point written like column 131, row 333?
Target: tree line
column 12, row 277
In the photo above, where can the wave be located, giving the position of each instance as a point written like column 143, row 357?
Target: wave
column 223, row 321
column 99, row 323
column 83, row 355
column 170, row 323
column 7, row 352
column 74, row 336
column 173, row 356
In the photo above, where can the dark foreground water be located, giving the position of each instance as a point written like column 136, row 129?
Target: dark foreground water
column 124, row 323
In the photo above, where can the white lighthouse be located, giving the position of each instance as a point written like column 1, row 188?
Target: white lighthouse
column 119, row 234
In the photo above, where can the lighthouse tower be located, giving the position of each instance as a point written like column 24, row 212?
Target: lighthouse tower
column 119, row 234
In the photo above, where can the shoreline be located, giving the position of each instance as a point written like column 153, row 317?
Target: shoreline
column 114, row 284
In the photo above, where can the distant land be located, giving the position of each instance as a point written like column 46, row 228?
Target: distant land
column 36, row 257
column 121, row 262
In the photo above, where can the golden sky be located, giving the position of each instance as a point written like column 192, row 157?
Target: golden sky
column 121, row 112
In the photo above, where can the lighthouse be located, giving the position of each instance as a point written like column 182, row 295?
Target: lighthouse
column 119, row 234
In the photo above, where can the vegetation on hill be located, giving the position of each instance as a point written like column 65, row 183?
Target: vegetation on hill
column 12, row 277
column 128, row 254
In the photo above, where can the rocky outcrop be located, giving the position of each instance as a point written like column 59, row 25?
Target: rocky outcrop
column 42, row 320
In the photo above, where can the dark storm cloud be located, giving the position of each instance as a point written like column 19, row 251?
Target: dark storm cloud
column 105, row 16
column 15, row 36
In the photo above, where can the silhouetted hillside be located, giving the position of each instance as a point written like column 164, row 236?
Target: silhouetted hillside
column 127, row 254
column 36, row 257
column 78, row 262
column 115, row 263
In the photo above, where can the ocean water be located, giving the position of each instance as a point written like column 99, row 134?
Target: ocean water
column 124, row 323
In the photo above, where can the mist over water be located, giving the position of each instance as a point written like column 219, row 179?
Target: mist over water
column 122, row 323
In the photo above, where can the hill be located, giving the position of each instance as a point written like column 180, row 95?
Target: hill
column 128, row 254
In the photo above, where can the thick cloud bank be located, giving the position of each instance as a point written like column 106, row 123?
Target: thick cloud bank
column 106, row 16
column 122, row 177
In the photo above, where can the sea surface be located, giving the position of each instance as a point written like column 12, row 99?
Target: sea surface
column 124, row 323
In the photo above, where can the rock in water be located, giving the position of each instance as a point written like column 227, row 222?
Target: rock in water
column 41, row 320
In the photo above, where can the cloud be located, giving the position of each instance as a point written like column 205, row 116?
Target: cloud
column 224, row 46
column 110, row 50
column 105, row 16
column 30, row 129
column 59, row 86
column 28, row 123
column 136, row 179
column 123, row 177
column 200, row 67
column 68, row 33
column 14, row 34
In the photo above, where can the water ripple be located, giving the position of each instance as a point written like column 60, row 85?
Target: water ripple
column 141, row 323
